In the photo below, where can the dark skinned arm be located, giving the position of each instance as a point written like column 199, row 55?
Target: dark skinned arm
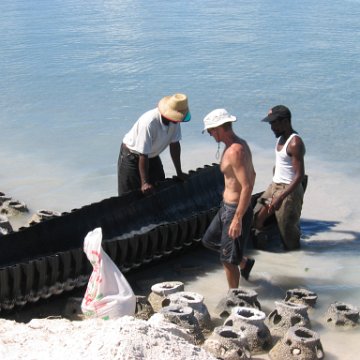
column 146, row 187
column 175, row 152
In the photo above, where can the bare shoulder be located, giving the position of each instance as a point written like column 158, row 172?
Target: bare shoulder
column 296, row 146
column 236, row 149
column 238, row 152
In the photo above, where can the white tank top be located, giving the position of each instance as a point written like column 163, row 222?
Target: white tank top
column 284, row 172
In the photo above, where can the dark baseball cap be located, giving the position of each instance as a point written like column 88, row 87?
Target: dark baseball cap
column 278, row 112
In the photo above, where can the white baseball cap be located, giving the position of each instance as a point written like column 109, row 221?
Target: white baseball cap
column 216, row 118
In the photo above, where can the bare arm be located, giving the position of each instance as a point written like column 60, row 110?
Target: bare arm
column 146, row 187
column 175, row 152
column 244, row 175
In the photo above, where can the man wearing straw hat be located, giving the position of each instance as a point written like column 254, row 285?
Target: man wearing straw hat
column 230, row 228
column 139, row 163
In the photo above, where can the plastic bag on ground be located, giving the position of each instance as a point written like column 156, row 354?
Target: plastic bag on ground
column 108, row 294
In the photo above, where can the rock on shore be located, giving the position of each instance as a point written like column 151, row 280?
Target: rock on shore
column 124, row 338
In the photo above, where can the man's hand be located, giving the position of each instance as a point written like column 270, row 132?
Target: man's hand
column 147, row 188
column 235, row 228
column 182, row 176
column 275, row 204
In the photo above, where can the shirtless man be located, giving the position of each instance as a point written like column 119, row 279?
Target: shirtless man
column 230, row 228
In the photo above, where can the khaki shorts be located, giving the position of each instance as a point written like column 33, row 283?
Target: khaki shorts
column 288, row 216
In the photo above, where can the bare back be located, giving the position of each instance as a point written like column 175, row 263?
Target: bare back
column 239, row 174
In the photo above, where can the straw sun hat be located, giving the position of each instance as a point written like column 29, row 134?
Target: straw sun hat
column 175, row 108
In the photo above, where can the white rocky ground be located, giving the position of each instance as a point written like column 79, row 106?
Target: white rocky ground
column 125, row 338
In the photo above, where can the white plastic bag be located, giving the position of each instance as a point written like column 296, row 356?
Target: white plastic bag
column 108, row 294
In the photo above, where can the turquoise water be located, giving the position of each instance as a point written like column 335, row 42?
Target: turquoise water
column 74, row 76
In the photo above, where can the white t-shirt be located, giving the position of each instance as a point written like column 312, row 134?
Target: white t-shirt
column 284, row 171
column 149, row 136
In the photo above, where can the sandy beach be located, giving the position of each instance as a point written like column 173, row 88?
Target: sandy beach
column 328, row 238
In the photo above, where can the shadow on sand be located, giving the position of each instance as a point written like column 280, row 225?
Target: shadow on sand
column 331, row 239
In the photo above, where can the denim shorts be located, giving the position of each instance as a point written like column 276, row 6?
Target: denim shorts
column 217, row 238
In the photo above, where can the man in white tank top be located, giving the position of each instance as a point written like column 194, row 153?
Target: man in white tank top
column 284, row 196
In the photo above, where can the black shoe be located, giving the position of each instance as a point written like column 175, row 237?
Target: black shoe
column 245, row 272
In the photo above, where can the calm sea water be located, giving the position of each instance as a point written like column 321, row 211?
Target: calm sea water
column 74, row 76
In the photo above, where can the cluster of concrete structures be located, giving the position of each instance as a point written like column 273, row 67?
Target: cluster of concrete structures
column 10, row 208
column 285, row 333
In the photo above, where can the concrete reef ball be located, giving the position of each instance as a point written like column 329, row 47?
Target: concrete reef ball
column 228, row 344
column 196, row 302
column 5, row 226
column 161, row 290
column 251, row 322
column 285, row 316
column 344, row 315
column 301, row 296
column 237, row 297
column 43, row 215
column 143, row 309
column 299, row 343
column 184, row 317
